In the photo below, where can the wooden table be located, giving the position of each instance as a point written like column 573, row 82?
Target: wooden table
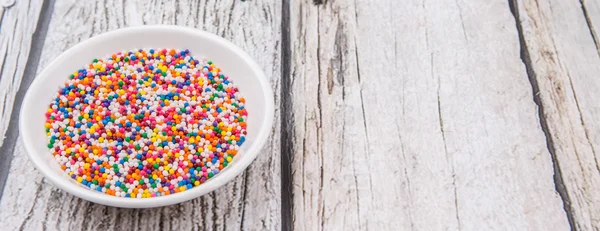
column 390, row 115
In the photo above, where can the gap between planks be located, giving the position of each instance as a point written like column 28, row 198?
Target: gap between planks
column 526, row 59
column 286, row 133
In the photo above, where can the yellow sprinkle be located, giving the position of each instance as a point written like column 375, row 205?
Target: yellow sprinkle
column 197, row 183
column 182, row 188
column 79, row 179
column 171, row 171
column 229, row 159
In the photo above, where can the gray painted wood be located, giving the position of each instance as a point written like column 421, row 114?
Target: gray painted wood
column 563, row 57
column 415, row 115
column 16, row 33
column 250, row 202
column 401, row 115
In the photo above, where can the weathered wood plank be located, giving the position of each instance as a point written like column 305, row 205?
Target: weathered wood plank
column 564, row 65
column 16, row 32
column 415, row 115
column 250, row 202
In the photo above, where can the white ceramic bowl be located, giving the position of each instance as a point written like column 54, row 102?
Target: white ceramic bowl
column 234, row 62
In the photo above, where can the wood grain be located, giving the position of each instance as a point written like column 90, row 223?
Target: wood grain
column 250, row 202
column 415, row 115
column 16, row 32
column 561, row 51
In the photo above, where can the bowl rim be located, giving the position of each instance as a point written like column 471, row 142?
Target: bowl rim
column 209, row 186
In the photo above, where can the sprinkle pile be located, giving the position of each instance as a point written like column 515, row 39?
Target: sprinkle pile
column 146, row 123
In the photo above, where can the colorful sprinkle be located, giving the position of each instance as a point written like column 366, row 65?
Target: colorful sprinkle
column 146, row 123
